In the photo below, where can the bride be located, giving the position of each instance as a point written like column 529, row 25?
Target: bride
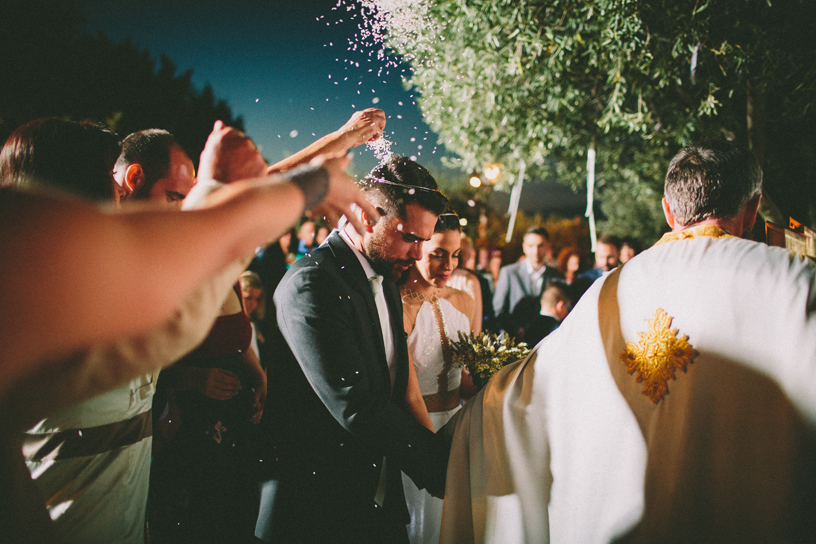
column 433, row 316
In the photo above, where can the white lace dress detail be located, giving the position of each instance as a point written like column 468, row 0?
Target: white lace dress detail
column 435, row 372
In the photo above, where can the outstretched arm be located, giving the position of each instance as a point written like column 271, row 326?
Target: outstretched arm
column 78, row 256
column 364, row 126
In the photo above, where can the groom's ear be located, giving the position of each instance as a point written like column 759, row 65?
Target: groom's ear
column 369, row 222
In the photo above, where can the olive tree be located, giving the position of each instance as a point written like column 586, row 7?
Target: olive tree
column 542, row 81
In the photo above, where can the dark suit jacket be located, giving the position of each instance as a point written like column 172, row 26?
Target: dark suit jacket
column 583, row 282
column 539, row 328
column 514, row 302
column 331, row 410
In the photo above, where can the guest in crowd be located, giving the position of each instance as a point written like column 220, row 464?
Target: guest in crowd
column 493, row 268
column 434, row 314
column 569, row 263
column 253, row 296
column 322, row 233
column 306, row 239
column 556, row 303
column 201, row 481
column 153, row 166
column 607, row 258
column 518, row 291
column 629, row 249
column 473, row 283
column 58, row 155
column 80, row 479
column 201, row 488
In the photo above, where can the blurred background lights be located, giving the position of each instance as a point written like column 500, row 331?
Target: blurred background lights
column 492, row 172
column 475, row 181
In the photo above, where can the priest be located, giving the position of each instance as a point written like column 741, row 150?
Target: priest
column 675, row 403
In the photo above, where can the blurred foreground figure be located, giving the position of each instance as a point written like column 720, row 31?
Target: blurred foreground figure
column 46, row 363
column 675, row 404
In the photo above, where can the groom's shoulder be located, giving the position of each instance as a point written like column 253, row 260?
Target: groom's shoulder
column 326, row 264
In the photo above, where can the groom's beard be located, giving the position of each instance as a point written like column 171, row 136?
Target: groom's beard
column 383, row 263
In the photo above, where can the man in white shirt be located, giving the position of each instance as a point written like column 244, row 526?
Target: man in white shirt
column 518, row 291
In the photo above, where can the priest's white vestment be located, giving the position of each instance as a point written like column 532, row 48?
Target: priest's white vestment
column 677, row 402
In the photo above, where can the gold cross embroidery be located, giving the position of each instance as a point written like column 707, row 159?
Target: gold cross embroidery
column 657, row 355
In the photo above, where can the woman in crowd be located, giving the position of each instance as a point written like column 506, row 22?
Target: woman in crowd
column 434, row 314
column 200, row 486
column 66, row 156
column 569, row 263
column 254, row 300
column 323, row 232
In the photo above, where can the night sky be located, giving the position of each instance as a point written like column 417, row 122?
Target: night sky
column 288, row 68
column 283, row 65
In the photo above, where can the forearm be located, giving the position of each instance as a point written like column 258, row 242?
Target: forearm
column 414, row 401
column 330, row 143
column 252, row 365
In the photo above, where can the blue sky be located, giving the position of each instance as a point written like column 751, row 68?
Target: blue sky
column 290, row 69
column 284, row 65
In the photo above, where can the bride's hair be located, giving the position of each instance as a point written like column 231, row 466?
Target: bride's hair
column 448, row 221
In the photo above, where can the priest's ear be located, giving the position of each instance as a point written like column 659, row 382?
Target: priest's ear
column 133, row 179
column 750, row 210
column 668, row 213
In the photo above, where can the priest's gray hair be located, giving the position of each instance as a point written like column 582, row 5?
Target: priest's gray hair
column 712, row 179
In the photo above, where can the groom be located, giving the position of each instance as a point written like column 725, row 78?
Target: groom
column 337, row 386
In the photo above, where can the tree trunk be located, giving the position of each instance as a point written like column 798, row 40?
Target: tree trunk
column 755, row 111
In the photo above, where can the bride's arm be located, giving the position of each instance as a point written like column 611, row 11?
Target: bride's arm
column 413, row 398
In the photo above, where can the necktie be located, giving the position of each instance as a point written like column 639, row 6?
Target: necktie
column 379, row 300
column 382, row 309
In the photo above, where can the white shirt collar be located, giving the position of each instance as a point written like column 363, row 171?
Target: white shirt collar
column 535, row 274
column 360, row 257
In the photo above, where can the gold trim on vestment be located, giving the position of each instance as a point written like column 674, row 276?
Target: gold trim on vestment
column 710, row 231
column 657, row 355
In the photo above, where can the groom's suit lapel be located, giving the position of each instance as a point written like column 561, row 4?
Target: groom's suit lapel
column 352, row 271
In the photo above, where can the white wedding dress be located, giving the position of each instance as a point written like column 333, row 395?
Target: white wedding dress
column 439, row 380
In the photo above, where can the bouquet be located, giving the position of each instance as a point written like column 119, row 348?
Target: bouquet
column 484, row 354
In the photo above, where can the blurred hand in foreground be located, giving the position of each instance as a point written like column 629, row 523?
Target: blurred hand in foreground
column 343, row 193
column 230, row 155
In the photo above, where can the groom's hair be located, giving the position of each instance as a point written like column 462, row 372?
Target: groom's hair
column 400, row 181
